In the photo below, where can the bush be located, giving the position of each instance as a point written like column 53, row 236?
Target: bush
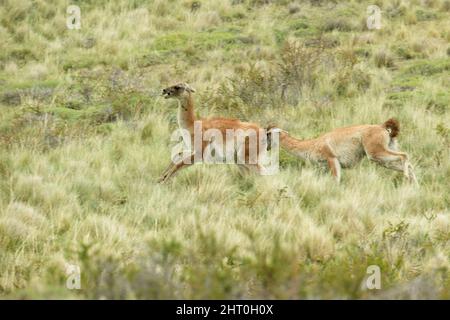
column 293, row 8
column 425, row 15
column 349, row 81
column 384, row 58
column 404, row 53
column 299, row 68
column 446, row 6
column 278, row 83
column 338, row 24
column 429, row 67
column 253, row 86
column 350, row 78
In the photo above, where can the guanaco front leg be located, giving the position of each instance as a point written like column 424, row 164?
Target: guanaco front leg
column 404, row 159
column 256, row 168
column 390, row 159
column 172, row 163
column 174, row 167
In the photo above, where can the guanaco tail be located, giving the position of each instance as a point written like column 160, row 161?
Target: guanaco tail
column 182, row 92
column 345, row 147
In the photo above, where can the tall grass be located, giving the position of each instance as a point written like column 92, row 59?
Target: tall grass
column 84, row 136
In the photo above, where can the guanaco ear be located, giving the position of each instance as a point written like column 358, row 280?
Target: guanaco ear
column 189, row 88
column 271, row 129
column 276, row 130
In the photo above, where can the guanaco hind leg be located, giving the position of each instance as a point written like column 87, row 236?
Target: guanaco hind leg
column 257, row 168
column 335, row 167
column 243, row 169
column 412, row 176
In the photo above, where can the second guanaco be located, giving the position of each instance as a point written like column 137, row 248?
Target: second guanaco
column 345, row 147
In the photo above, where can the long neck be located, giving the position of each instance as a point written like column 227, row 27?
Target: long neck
column 186, row 115
column 299, row 148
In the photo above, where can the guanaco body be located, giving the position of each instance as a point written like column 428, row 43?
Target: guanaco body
column 345, row 147
column 182, row 92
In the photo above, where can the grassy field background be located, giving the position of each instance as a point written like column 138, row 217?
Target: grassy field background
column 84, row 135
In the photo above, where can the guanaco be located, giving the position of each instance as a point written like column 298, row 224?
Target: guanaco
column 345, row 147
column 182, row 92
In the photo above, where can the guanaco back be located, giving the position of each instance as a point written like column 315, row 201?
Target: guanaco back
column 345, row 147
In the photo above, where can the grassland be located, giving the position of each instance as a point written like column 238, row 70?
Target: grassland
column 84, row 136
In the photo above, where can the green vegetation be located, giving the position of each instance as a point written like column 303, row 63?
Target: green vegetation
column 84, row 135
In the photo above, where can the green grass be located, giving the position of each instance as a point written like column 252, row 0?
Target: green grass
column 428, row 68
column 84, row 135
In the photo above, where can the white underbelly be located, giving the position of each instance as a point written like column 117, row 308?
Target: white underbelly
column 349, row 154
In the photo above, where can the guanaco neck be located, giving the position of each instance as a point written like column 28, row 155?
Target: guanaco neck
column 299, row 148
column 186, row 115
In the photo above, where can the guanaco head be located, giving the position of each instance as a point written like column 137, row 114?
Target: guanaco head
column 269, row 131
column 180, row 90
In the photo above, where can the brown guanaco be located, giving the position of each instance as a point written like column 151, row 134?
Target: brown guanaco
column 345, row 147
column 183, row 93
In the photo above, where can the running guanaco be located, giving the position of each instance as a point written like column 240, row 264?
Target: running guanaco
column 182, row 92
column 345, row 147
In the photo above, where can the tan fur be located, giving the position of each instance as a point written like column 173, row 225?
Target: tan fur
column 186, row 118
column 347, row 146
